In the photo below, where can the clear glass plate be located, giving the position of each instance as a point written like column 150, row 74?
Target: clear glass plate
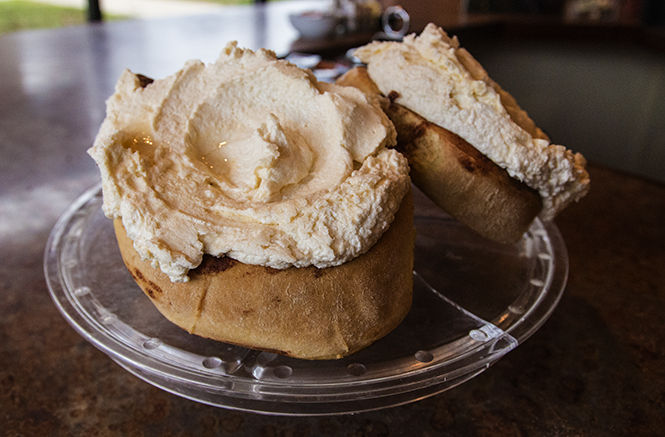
column 474, row 301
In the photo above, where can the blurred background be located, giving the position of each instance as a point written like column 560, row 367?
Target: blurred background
column 32, row 14
column 590, row 72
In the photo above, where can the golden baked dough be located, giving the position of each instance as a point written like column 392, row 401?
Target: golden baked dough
column 454, row 174
column 301, row 312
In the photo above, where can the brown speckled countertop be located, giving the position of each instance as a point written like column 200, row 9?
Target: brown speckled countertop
column 597, row 367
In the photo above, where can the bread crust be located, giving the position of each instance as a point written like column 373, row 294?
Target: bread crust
column 300, row 312
column 453, row 173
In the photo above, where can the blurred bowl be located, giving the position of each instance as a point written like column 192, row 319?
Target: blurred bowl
column 314, row 24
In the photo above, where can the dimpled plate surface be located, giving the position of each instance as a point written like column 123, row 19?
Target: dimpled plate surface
column 474, row 301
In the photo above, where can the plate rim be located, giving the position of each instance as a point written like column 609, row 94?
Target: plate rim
column 482, row 355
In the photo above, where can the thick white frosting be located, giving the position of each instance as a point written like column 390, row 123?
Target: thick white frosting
column 429, row 72
column 248, row 157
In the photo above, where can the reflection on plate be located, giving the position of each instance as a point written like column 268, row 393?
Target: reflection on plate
column 474, row 301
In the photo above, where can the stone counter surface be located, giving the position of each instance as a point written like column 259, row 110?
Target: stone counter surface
column 597, row 366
